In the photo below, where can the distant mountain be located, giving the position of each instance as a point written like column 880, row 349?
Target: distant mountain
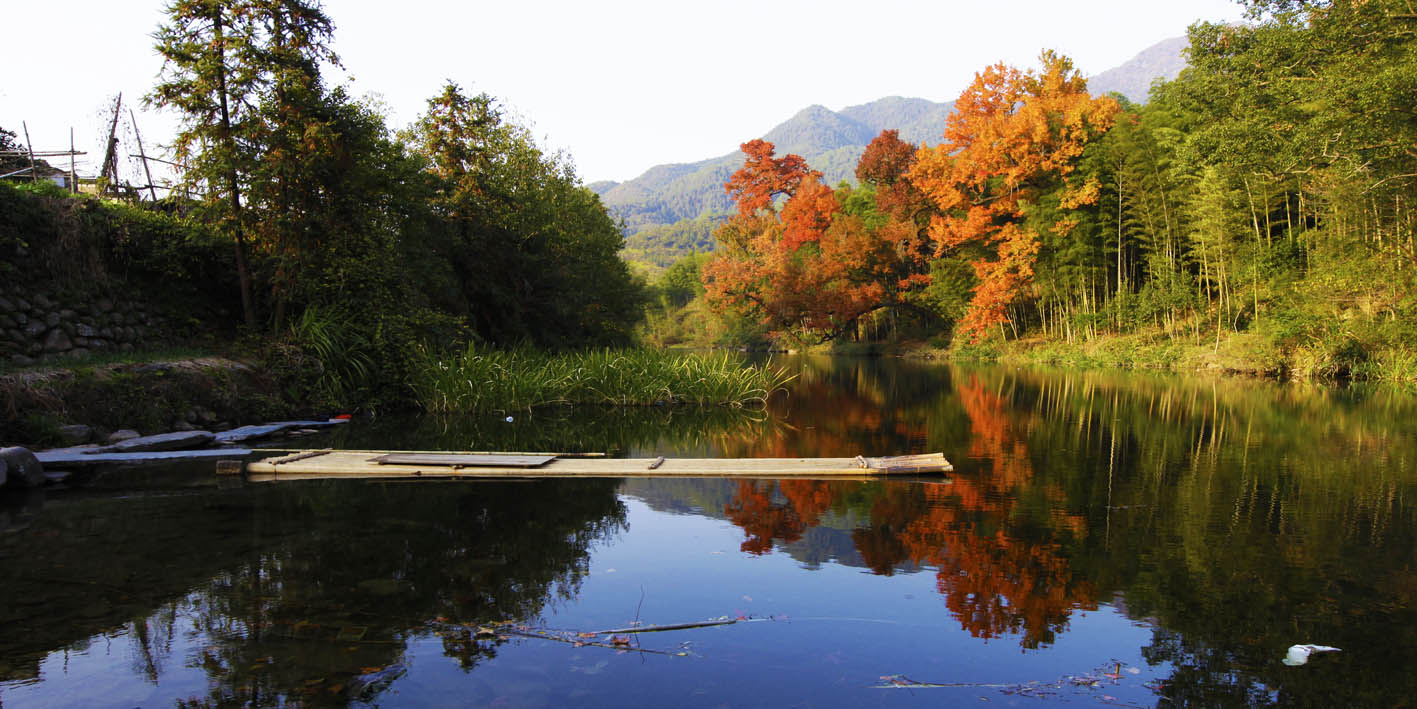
column 832, row 142
column 1163, row 60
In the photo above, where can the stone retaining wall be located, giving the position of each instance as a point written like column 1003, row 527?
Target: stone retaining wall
column 38, row 327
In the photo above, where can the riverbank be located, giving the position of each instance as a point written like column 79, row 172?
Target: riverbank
column 1244, row 354
column 86, row 404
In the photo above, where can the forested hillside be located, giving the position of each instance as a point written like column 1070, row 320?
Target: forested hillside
column 1254, row 214
column 831, row 141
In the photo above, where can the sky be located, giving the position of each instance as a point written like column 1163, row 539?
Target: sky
column 618, row 85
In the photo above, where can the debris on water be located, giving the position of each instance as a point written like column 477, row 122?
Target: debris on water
column 509, row 419
column 371, row 683
column 1110, row 675
column 1299, row 654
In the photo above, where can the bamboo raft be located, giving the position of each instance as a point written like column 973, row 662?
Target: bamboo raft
column 320, row 464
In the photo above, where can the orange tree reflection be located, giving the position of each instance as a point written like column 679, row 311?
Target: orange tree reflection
column 998, row 539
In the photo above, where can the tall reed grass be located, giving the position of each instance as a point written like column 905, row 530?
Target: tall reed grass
column 484, row 379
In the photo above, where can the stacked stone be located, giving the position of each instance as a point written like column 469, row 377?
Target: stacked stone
column 35, row 327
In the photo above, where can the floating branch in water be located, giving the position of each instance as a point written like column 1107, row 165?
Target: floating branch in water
column 674, row 626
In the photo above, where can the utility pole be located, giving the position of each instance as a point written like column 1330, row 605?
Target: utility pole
column 73, row 174
column 34, row 175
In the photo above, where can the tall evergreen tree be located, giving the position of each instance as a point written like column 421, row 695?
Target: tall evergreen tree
column 213, row 78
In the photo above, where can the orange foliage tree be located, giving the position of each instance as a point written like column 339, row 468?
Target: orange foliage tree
column 792, row 258
column 1012, row 134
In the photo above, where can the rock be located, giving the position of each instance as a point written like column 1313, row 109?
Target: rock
column 67, row 314
column 34, row 328
column 52, row 319
column 105, row 305
column 3, row 468
column 123, row 434
column 201, row 414
column 56, row 477
column 21, row 360
column 6, row 321
column 57, row 341
column 6, row 305
column 182, row 425
column 42, row 301
column 74, row 434
column 22, row 468
column 181, row 440
column 22, row 305
column 107, row 333
column 85, row 330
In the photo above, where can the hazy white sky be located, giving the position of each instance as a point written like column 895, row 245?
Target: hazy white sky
column 621, row 85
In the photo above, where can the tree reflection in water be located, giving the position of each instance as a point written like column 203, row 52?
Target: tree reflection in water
column 287, row 593
column 1002, row 567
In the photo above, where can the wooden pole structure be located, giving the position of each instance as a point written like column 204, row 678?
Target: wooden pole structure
column 34, row 175
column 153, row 159
column 151, row 190
column 73, row 173
column 110, row 160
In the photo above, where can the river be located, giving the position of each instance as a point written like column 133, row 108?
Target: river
column 1121, row 539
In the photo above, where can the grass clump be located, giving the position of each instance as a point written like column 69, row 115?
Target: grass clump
column 484, row 379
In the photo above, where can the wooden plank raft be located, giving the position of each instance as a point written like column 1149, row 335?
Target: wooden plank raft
column 307, row 465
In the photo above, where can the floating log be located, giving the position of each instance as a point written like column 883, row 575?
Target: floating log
column 246, row 433
column 375, row 465
column 70, row 457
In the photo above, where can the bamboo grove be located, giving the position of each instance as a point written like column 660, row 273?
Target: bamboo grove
column 1262, row 201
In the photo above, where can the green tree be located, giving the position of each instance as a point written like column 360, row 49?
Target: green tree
column 212, row 76
column 533, row 252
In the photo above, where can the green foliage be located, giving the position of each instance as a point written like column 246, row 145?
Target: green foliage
column 484, row 379
column 662, row 245
column 96, row 249
column 340, row 349
column 532, row 253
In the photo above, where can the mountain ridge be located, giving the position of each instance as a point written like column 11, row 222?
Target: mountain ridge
column 832, row 142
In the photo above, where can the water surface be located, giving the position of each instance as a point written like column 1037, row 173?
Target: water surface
column 1106, row 539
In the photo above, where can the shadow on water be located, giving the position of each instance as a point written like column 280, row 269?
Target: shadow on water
column 1232, row 517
